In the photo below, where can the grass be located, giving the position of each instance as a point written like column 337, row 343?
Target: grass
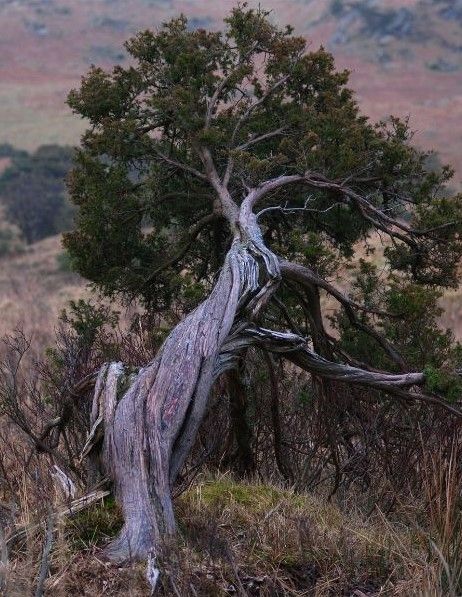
column 28, row 125
column 297, row 542
column 249, row 539
column 94, row 526
column 34, row 288
column 252, row 538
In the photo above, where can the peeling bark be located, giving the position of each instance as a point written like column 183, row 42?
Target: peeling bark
column 149, row 432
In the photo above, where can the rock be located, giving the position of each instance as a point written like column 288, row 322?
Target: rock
column 453, row 11
column 443, row 66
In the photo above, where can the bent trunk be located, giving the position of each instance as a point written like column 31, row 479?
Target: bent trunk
column 149, row 432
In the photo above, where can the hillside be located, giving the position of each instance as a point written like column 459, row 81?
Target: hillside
column 405, row 57
column 34, row 287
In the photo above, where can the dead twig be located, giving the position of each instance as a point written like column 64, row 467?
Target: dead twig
column 45, row 561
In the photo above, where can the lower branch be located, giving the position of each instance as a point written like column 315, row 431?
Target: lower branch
column 294, row 348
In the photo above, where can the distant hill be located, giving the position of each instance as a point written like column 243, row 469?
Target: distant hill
column 405, row 57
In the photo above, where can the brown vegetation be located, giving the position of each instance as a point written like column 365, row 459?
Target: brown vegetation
column 258, row 539
column 35, row 286
column 392, row 528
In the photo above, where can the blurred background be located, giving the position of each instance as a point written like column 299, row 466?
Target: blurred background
column 405, row 58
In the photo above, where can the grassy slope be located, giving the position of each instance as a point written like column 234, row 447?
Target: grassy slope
column 34, row 287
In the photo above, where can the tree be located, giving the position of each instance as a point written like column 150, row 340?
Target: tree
column 231, row 174
column 33, row 191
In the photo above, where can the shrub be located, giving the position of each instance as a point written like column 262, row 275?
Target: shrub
column 33, row 193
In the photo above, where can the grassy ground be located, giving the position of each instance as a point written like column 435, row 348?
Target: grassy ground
column 35, row 286
column 243, row 539
column 34, row 115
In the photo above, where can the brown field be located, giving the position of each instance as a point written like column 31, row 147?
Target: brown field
column 34, row 289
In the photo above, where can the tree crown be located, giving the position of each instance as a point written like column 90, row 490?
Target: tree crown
column 199, row 120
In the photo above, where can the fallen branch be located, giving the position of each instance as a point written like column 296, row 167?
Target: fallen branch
column 76, row 506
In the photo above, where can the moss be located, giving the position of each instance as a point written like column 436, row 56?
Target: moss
column 126, row 380
column 258, row 499
column 225, row 492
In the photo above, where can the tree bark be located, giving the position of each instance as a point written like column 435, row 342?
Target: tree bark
column 150, row 430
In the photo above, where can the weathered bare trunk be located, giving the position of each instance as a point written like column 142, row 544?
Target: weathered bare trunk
column 150, row 430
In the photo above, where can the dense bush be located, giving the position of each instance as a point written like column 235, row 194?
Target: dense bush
column 10, row 243
column 32, row 190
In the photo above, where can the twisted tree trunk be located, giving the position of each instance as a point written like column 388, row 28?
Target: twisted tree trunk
column 149, row 431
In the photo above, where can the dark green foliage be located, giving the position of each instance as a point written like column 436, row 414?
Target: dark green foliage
column 410, row 322
column 32, row 190
column 141, row 201
column 64, row 262
column 82, row 336
column 444, row 383
column 87, row 320
column 9, row 241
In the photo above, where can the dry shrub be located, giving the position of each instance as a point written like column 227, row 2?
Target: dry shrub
column 337, row 440
column 442, row 516
column 392, row 525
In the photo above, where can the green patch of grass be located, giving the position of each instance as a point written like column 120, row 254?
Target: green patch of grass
column 94, row 526
column 225, row 492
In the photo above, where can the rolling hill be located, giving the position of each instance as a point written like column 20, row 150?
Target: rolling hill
column 405, row 57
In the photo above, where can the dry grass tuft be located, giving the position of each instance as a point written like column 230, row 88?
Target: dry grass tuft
column 34, row 289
